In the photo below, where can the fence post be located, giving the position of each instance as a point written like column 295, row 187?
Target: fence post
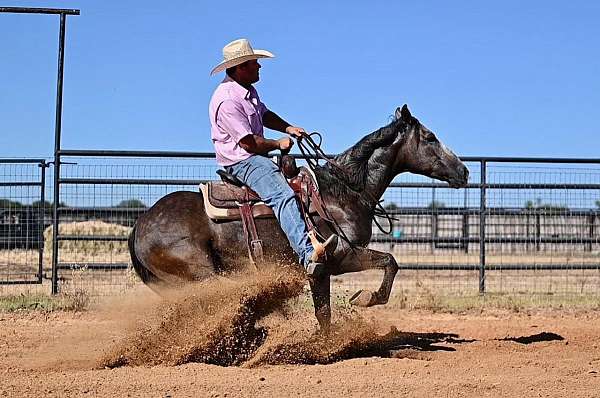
column 433, row 220
column 591, row 222
column 57, row 131
column 482, row 214
column 41, row 218
column 527, row 234
column 465, row 232
column 538, row 229
column 465, row 225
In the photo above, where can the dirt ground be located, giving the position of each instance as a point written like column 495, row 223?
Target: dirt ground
column 56, row 354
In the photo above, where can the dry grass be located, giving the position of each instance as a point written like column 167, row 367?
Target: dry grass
column 530, row 258
column 479, row 303
column 45, row 303
column 455, row 291
column 418, row 289
column 413, row 291
column 88, row 248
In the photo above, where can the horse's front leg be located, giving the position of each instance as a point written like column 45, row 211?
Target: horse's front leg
column 321, row 294
column 364, row 259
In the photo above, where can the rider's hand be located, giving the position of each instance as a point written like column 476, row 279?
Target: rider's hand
column 285, row 144
column 294, row 131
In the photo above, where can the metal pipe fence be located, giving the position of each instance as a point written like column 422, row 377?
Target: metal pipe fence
column 528, row 227
column 62, row 13
column 23, row 214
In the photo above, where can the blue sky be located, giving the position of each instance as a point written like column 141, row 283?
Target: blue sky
column 490, row 78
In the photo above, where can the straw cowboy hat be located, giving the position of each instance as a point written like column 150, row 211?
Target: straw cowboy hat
column 238, row 52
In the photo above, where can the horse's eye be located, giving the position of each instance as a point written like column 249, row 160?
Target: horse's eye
column 430, row 138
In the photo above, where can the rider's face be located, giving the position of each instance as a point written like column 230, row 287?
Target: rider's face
column 248, row 71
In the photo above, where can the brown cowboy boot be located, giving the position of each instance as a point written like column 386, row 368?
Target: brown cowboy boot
column 321, row 254
column 322, row 250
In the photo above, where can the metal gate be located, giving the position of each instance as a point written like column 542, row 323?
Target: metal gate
column 24, row 215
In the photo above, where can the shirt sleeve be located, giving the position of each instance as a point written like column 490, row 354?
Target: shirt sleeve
column 263, row 110
column 232, row 119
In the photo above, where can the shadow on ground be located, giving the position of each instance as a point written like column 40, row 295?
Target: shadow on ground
column 350, row 341
column 534, row 338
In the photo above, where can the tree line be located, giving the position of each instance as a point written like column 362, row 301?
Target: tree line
column 13, row 204
column 530, row 204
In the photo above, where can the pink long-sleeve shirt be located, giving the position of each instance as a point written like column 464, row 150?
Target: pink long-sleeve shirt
column 234, row 112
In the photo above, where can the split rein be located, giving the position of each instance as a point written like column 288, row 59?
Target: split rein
column 312, row 153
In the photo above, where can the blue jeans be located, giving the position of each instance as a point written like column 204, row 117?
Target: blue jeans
column 264, row 178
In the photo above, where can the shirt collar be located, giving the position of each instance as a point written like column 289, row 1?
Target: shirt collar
column 240, row 90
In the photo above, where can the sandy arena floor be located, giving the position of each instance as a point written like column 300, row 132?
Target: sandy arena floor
column 55, row 355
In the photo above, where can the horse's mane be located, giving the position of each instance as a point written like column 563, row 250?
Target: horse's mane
column 355, row 161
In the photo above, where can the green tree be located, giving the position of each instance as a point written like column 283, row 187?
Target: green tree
column 8, row 204
column 538, row 204
column 391, row 206
column 436, row 204
column 131, row 204
column 46, row 204
column 598, row 203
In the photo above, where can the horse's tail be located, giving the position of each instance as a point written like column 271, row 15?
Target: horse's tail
column 143, row 272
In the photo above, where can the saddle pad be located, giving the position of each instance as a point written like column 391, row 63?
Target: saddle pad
column 227, row 196
column 259, row 210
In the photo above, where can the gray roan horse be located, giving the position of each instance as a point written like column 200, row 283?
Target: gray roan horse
column 175, row 242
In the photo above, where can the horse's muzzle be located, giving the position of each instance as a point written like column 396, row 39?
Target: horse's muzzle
column 461, row 180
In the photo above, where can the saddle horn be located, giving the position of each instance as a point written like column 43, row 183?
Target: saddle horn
column 288, row 166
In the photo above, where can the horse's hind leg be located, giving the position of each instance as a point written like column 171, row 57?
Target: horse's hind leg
column 364, row 259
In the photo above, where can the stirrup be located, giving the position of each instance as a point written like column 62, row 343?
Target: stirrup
column 322, row 251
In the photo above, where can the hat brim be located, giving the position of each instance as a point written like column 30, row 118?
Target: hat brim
column 237, row 61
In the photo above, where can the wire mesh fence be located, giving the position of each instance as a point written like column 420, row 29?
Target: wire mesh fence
column 554, row 238
column 540, row 232
column 23, row 215
column 101, row 199
column 520, row 228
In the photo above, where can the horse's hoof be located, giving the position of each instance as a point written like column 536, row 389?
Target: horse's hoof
column 363, row 298
column 323, row 331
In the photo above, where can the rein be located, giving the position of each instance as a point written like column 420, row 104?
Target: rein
column 312, row 152
column 307, row 144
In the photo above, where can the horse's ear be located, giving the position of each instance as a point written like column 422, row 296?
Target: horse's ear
column 398, row 114
column 403, row 114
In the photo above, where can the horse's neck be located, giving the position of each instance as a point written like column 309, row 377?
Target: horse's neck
column 364, row 171
column 380, row 173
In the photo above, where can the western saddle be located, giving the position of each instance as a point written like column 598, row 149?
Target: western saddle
column 230, row 199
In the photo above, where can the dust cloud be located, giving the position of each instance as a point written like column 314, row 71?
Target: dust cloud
column 252, row 320
column 213, row 322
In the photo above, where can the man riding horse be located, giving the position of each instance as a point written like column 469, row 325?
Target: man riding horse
column 237, row 117
column 181, row 238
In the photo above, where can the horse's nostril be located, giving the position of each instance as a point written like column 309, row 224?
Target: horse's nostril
column 466, row 172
